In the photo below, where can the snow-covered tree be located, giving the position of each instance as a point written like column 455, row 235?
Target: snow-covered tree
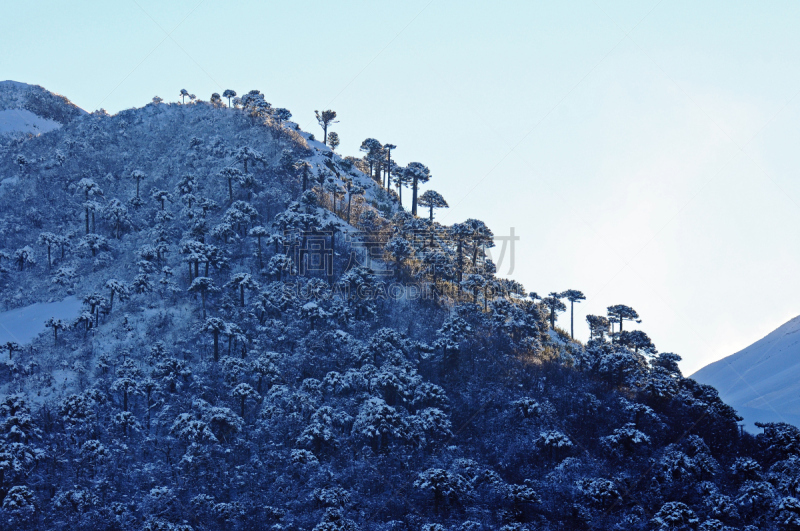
column 432, row 199
column 325, row 119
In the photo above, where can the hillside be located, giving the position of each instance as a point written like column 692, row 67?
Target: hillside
column 267, row 339
column 31, row 109
column 761, row 381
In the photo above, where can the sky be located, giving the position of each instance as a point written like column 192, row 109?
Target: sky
column 645, row 152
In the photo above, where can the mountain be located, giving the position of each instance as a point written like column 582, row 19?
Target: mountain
column 762, row 381
column 211, row 320
column 31, row 109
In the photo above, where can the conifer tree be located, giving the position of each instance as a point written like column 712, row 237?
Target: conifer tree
column 418, row 174
column 387, row 166
column 229, row 94
column 432, row 199
column 553, row 302
column 333, row 140
column 619, row 313
column 573, row 296
column 326, row 118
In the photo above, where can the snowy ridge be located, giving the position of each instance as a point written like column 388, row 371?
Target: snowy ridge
column 31, row 109
column 761, row 381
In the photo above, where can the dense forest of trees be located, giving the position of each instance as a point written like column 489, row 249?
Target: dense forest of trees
column 270, row 340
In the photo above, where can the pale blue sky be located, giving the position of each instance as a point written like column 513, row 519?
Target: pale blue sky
column 646, row 152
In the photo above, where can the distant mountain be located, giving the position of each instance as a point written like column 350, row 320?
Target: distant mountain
column 762, row 382
column 31, row 109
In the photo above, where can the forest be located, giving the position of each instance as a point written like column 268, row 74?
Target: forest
column 273, row 337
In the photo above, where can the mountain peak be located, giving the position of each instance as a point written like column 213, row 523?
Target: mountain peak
column 761, row 381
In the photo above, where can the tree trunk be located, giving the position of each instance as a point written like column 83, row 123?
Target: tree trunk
column 414, row 199
column 572, row 319
column 216, row 345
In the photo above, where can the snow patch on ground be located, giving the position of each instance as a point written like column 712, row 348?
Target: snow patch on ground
column 24, row 121
column 23, row 324
column 762, row 382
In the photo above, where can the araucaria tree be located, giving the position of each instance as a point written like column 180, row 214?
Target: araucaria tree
column 231, row 174
column 204, row 286
column 619, row 313
column 333, row 140
column 326, row 118
column 229, row 94
column 553, row 302
column 573, row 296
column 433, row 199
column 137, row 176
column 90, row 189
column 418, row 173
column 387, row 166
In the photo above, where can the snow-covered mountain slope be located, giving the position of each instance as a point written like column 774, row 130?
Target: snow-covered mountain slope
column 31, row 109
column 21, row 325
column 762, row 381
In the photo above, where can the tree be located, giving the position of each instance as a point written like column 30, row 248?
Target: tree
column 674, row 515
column 400, row 249
column 400, row 178
column 215, row 326
column 56, row 325
column 282, row 115
column 230, row 174
column 116, row 288
column 246, row 154
column 90, row 189
column 333, row 140
column 326, row 118
column 460, row 232
column 259, row 232
column 637, row 340
column 388, row 164
column 418, row 174
column 117, row 214
column 352, row 189
column 239, row 282
column 573, row 296
column 620, row 313
column 443, row 485
column 23, row 257
column 183, row 95
column 204, row 286
column 48, row 239
column 432, row 199
column 229, row 94
column 598, row 326
column 244, row 392
column 373, row 149
column 553, row 302
column 304, row 167
column 162, row 196
column 138, row 176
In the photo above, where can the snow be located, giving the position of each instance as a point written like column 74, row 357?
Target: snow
column 24, row 121
column 23, row 324
column 762, row 382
